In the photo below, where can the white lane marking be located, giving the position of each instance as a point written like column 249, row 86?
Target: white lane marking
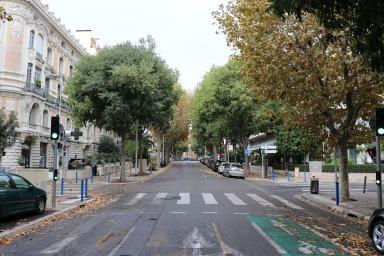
column 178, row 212
column 270, row 241
column 136, row 198
column 209, row 198
column 240, row 213
column 184, row 198
column 287, row 203
column 332, row 190
column 159, row 197
column 121, row 242
column 209, row 212
column 57, row 247
column 234, row 199
column 261, row 200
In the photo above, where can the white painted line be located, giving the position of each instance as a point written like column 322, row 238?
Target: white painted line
column 121, row 242
column 209, row 198
column 260, row 200
column 234, row 199
column 287, row 203
column 136, row 198
column 159, row 198
column 240, row 213
column 71, row 201
column 178, row 212
column 209, row 212
column 184, row 198
column 332, row 190
column 57, row 247
column 270, row 241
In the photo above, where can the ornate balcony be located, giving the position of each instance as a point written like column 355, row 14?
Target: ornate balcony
column 29, row 87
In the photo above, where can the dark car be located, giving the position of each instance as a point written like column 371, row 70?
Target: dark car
column 75, row 163
column 376, row 230
column 18, row 195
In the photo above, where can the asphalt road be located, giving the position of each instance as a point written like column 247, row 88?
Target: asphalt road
column 188, row 211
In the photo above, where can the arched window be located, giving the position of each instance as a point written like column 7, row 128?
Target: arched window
column 68, row 124
column 70, row 71
column 61, row 66
column 47, row 86
column 59, row 91
column 49, row 56
column 45, row 118
column 29, row 74
column 40, row 45
column 31, row 39
column 34, row 114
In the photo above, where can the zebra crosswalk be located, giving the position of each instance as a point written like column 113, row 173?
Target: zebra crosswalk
column 184, row 198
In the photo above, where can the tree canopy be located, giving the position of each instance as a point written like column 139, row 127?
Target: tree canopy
column 4, row 15
column 121, row 86
column 8, row 130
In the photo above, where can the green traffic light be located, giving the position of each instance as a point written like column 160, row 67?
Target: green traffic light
column 380, row 131
column 378, row 182
column 55, row 135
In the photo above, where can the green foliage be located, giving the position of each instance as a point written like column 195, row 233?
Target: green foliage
column 107, row 148
column 198, row 148
column 362, row 21
column 354, row 168
column 8, row 133
column 37, row 83
column 3, row 15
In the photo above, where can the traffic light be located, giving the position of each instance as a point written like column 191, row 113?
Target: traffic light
column 379, row 122
column 55, row 174
column 55, row 127
column 378, row 178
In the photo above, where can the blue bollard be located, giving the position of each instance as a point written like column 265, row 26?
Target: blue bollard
column 62, row 186
column 273, row 174
column 86, row 188
column 76, row 177
column 82, row 191
column 337, row 193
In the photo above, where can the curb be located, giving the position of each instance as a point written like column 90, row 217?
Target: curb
column 37, row 222
column 156, row 173
column 335, row 208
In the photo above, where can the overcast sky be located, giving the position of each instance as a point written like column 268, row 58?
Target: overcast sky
column 183, row 29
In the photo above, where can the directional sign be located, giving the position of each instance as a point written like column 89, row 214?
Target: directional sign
column 270, row 151
column 246, row 152
column 268, row 147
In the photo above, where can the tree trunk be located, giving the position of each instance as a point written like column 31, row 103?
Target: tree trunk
column 226, row 151
column 214, row 152
column 343, row 170
column 123, row 176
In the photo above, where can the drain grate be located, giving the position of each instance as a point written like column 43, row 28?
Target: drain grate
column 173, row 198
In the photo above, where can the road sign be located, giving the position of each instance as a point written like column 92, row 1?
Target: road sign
column 268, row 147
column 246, row 152
column 270, row 151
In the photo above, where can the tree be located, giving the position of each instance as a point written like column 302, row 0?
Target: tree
column 8, row 130
column 107, row 148
column 331, row 90
column 361, row 21
column 3, row 15
column 121, row 86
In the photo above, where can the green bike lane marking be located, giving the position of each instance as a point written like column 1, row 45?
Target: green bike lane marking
column 292, row 239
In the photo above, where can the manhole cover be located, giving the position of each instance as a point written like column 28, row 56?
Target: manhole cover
column 173, row 198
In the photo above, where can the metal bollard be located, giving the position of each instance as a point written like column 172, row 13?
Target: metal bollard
column 288, row 176
column 76, row 177
column 305, row 176
column 365, row 184
column 62, row 186
column 273, row 174
column 337, row 193
column 109, row 177
column 82, row 191
column 86, row 188
column 91, row 176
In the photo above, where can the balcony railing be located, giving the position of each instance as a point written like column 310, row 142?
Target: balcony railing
column 29, row 87
column 56, row 102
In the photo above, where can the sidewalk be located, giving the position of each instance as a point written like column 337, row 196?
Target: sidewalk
column 21, row 225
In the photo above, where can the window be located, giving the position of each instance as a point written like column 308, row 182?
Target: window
column 20, row 182
column 68, row 124
column 47, row 84
column 29, row 73
column 37, row 75
column 61, row 66
column 63, row 44
column 59, row 91
column 45, row 118
column 34, row 114
column 31, row 39
column 49, row 56
column 40, row 45
column 5, row 181
column 70, row 71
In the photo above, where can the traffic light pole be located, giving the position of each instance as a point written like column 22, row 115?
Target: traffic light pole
column 55, row 167
column 378, row 173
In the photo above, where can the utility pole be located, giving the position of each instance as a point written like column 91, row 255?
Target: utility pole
column 378, row 173
column 55, row 167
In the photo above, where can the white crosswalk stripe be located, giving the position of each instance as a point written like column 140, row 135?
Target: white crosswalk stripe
column 287, row 203
column 159, row 198
column 209, row 198
column 137, row 198
column 261, row 200
column 184, row 198
column 234, row 199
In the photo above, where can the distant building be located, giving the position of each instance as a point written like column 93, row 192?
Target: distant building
column 86, row 39
column 37, row 57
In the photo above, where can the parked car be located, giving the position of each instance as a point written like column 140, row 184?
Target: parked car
column 75, row 163
column 217, row 164
column 221, row 167
column 18, row 195
column 233, row 170
column 211, row 163
column 376, row 230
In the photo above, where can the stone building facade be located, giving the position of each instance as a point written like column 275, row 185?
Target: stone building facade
column 37, row 57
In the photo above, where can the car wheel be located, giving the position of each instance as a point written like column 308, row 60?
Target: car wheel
column 378, row 236
column 40, row 207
